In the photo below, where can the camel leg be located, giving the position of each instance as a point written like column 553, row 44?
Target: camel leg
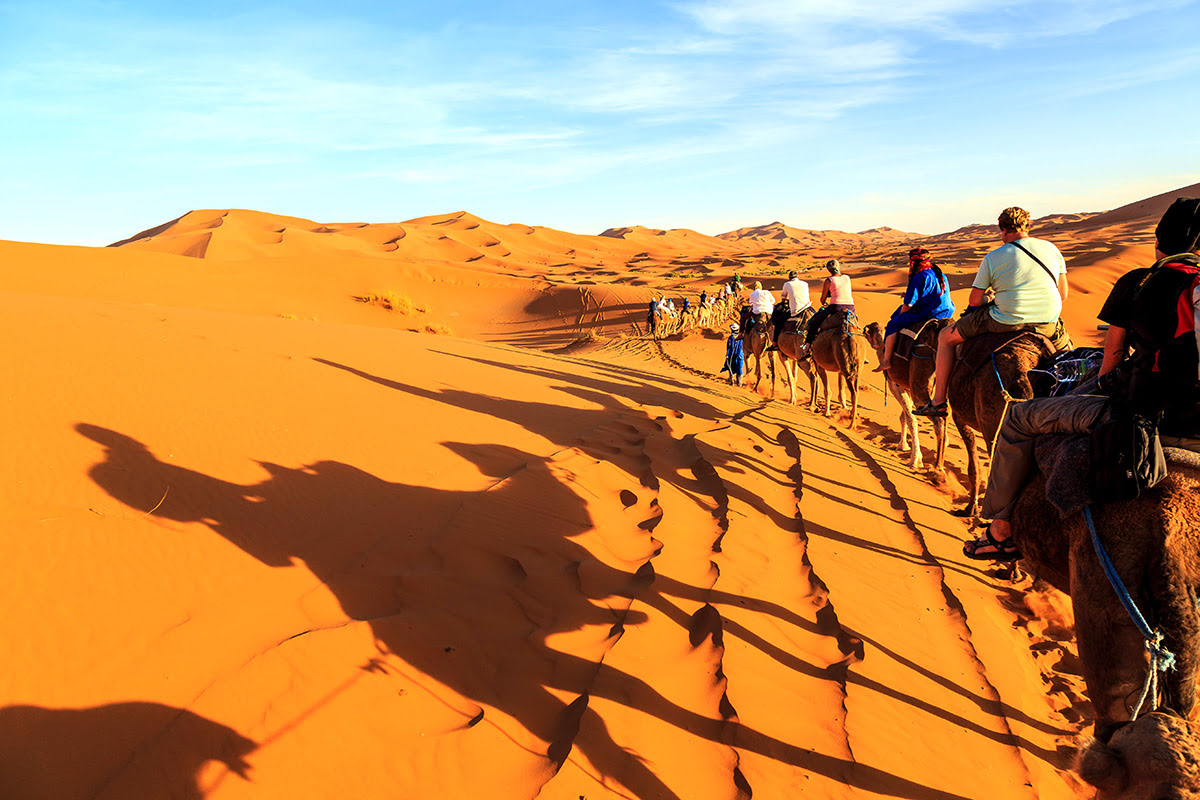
column 771, row 365
column 940, row 430
column 786, row 363
column 826, row 395
column 968, row 436
column 908, row 424
column 1111, row 650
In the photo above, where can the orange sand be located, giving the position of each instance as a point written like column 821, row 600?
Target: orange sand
column 265, row 539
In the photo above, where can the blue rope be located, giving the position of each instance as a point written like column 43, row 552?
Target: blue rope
column 996, row 369
column 1161, row 659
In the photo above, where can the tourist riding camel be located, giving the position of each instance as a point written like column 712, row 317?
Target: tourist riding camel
column 910, row 380
column 835, row 296
column 795, row 305
column 1154, row 312
column 1028, row 279
column 927, row 297
column 761, row 302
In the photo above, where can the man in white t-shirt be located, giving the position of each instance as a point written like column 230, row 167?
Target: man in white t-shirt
column 795, row 291
column 1029, row 279
column 761, row 301
column 796, row 305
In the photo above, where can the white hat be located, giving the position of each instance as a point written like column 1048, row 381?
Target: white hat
column 733, row 326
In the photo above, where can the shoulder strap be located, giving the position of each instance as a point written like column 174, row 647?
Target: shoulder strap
column 1053, row 277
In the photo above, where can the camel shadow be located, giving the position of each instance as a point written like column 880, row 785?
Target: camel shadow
column 448, row 584
column 118, row 750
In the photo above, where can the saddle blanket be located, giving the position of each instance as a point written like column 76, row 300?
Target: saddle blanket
column 1065, row 461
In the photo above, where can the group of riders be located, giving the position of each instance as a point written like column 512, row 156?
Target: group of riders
column 665, row 317
column 1151, row 354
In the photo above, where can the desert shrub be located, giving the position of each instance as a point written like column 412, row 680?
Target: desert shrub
column 392, row 301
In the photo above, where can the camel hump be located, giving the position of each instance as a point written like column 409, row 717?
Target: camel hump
column 977, row 351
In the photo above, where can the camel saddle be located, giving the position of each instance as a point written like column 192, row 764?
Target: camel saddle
column 906, row 339
column 842, row 319
column 974, row 353
column 798, row 323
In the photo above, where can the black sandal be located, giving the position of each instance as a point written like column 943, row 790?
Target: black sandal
column 931, row 410
column 1002, row 549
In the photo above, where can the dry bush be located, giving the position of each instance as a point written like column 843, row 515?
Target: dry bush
column 438, row 329
column 392, row 301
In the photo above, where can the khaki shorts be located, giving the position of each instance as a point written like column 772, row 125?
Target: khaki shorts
column 981, row 322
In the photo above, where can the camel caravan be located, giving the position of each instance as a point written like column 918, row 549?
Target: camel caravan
column 1094, row 454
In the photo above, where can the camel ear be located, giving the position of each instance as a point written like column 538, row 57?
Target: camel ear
column 1103, row 767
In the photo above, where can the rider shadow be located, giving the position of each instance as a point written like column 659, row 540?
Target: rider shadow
column 118, row 750
column 452, row 587
column 562, row 424
column 632, row 384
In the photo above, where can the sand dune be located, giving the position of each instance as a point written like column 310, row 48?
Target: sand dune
column 265, row 539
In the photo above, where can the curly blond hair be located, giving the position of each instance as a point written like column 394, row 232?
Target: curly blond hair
column 1014, row 219
column 757, row 285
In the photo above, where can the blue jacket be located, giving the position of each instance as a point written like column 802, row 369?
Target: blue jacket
column 734, row 358
column 926, row 299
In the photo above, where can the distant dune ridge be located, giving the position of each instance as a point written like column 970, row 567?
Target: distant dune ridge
column 287, row 514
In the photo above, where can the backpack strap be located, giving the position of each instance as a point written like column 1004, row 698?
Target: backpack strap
column 1040, row 263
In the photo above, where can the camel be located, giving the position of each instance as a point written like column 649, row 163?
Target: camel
column 1154, row 544
column 910, row 381
column 836, row 348
column 789, row 357
column 755, row 341
column 978, row 396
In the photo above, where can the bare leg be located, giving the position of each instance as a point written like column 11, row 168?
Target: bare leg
column 948, row 339
column 889, row 347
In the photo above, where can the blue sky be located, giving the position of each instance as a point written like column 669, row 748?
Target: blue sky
column 710, row 114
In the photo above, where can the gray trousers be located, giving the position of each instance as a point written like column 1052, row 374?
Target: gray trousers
column 1013, row 460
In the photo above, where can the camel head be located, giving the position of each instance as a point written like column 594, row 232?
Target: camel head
column 874, row 335
column 1155, row 758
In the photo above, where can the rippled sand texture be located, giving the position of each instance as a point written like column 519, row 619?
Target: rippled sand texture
column 287, row 514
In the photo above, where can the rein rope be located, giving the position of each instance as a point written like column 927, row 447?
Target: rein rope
column 1161, row 659
column 1008, row 401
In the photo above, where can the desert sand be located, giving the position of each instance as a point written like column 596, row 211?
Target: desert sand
column 413, row 510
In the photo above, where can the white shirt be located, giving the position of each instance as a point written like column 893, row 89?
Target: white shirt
column 761, row 302
column 795, row 292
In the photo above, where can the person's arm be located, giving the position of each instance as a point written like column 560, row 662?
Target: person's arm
column 981, row 284
column 1063, row 288
column 824, row 291
column 1114, row 349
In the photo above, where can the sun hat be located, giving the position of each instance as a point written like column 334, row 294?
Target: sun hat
column 733, row 326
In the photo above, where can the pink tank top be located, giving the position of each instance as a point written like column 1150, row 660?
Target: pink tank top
column 839, row 290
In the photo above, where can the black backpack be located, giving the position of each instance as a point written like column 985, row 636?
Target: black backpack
column 1126, row 456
